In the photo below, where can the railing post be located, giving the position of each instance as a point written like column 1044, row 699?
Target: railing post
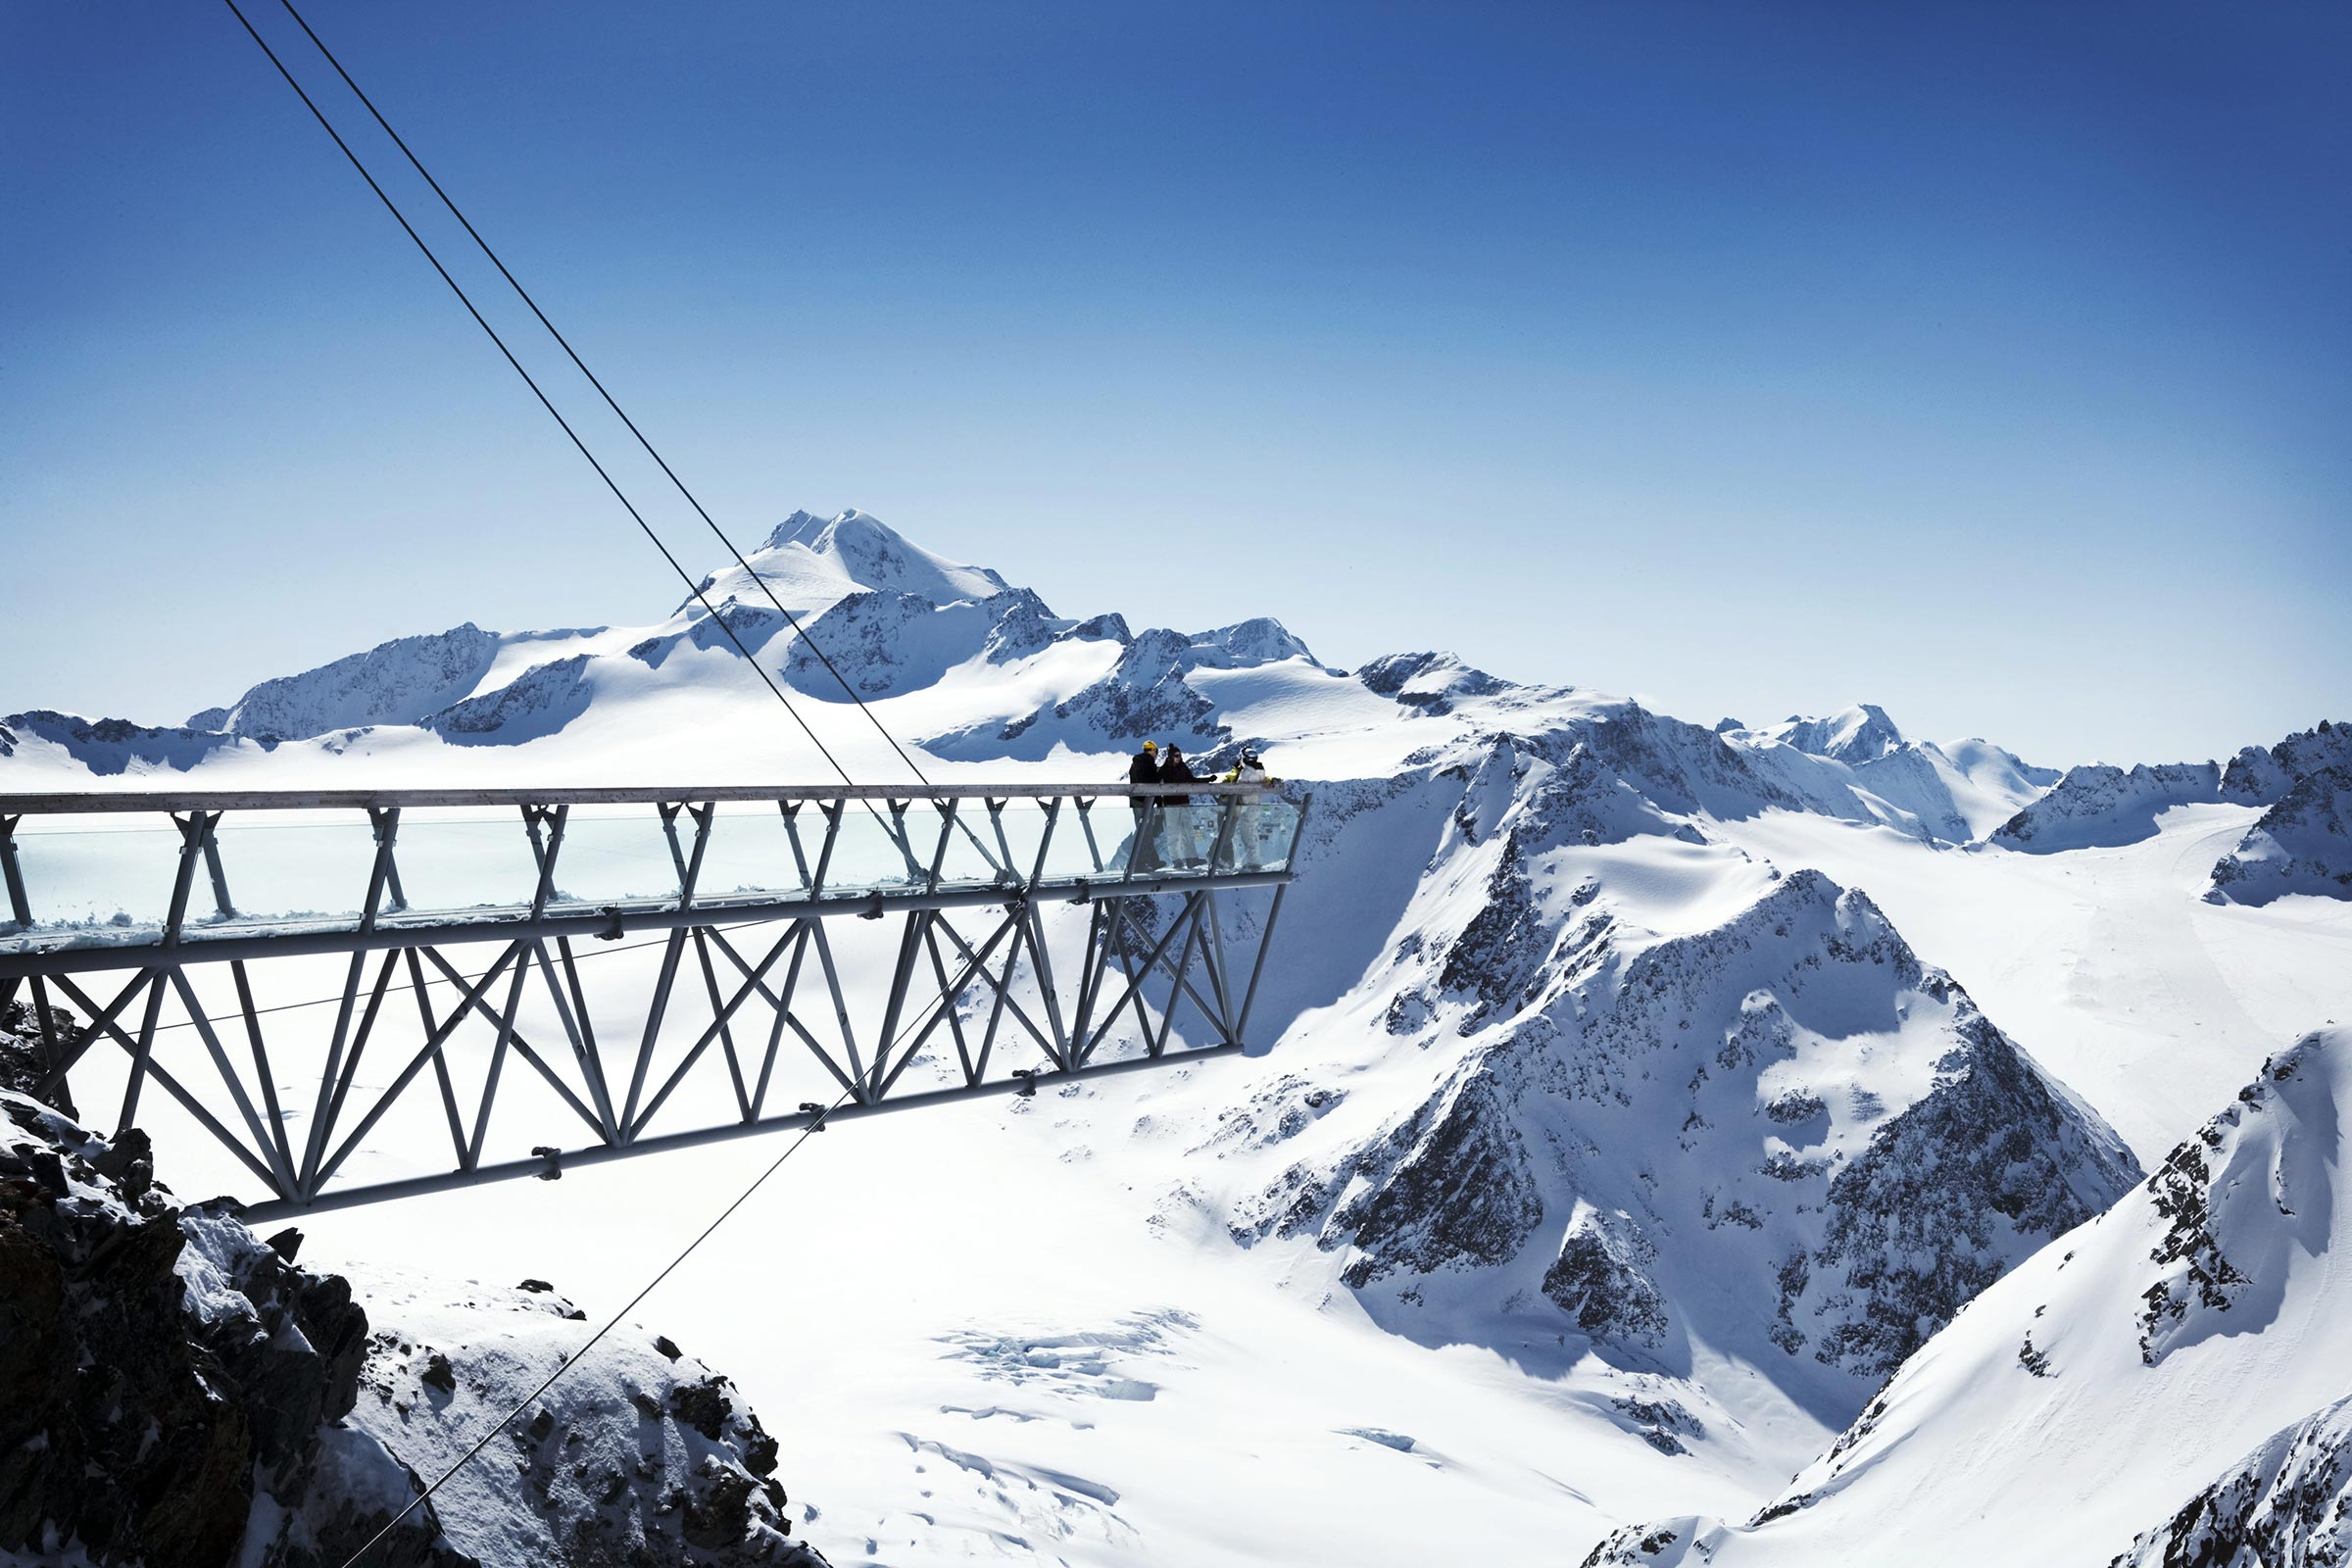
column 939, row 853
column 221, row 903
column 19, row 907
column 193, row 830
column 554, row 818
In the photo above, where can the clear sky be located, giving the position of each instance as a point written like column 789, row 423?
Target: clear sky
column 1990, row 361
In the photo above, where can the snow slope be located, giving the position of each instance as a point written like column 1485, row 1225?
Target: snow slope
column 2085, row 1399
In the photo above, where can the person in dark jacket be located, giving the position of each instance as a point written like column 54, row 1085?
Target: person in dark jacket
column 1142, row 768
column 1176, row 810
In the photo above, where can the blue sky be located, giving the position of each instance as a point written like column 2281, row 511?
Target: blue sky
column 1993, row 363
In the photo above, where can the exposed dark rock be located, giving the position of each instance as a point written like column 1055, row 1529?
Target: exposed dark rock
column 146, row 1402
column 23, row 1061
column 1931, row 1213
column 2287, row 1504
column 1599, row 1280
column 176, row 1393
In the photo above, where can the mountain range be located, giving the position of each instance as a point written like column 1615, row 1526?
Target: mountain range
column 1684, row 1104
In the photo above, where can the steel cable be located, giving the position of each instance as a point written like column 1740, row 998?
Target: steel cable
column 393, row 207
column 610, row 401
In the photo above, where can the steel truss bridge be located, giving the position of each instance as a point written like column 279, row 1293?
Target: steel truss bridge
column 1045, row 932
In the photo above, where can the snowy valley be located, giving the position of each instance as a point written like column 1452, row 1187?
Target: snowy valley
column 1661, row 1141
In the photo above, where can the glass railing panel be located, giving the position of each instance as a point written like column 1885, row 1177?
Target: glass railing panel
column 750, row 858
column 1263, row 832
column 286, row 868
column 1185, row 836
column 878, row 849
column 95, row 881
column 620, row 854
column 1128, row 830
column 468, row 863
column 1023, row 823
column 1086, row 843
column 969, row 857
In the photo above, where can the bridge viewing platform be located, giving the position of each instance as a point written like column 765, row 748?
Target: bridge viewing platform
column 1043, row 931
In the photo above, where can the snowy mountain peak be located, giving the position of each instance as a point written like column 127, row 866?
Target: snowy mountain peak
column 2199, row 1313
column 1862, row 733
column 871, row 554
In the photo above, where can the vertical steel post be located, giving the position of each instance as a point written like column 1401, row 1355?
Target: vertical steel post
column 221, row 903
column 1265, row 945
column 283, row 1151
column 281, row 1162
column 939, row 853
column 1212, row 954
column 384, row 823
column 555, row 819
column 193, row 830
column 19, row 907
column 142, row 1055
column 726, row 1029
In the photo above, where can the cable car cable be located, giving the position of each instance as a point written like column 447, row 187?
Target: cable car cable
column 647, row 529
column 610, row 401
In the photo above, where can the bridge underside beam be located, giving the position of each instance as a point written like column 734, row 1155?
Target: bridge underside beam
column 972, row 1008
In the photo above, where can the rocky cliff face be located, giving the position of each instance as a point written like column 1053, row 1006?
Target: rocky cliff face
column 398, row 682
column 2261, row 774
column 177, row 1392
column 2200, row 1311
column 2301, row 845
column 2098, row 805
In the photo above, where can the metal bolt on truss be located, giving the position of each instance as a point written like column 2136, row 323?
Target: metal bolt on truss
column 742, row 889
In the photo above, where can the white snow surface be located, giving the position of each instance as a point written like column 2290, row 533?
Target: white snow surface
column 1025, row 1331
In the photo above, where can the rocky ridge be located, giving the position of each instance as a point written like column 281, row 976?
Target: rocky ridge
column 177, row 1393
column 2287, row 1504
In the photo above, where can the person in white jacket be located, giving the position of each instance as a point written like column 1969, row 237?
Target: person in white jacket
column 1249, row 850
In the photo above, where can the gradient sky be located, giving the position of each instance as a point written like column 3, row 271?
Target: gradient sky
column 1993, row 363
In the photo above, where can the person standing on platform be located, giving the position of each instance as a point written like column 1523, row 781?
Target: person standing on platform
column 1176, row 810
column 1141, row 768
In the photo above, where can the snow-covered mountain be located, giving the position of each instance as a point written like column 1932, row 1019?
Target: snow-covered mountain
column 1856, row 764
column 2096, row 1394
column 1741, row 1123
column 1640, row 1094
column 2098, row 806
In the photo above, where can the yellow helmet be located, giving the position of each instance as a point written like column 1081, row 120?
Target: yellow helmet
column 1151, row 746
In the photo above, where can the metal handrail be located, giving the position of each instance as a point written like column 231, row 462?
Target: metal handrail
column 48, row 805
